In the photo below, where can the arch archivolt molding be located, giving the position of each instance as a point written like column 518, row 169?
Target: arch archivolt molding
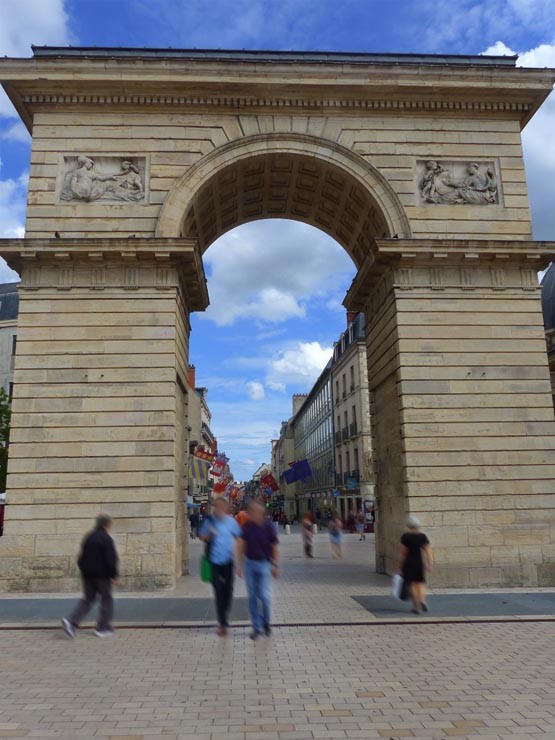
column 322, row 152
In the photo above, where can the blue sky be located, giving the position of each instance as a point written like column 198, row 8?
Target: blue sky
column 270, row 326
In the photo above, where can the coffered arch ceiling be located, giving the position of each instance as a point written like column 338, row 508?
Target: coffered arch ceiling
column 287, row 185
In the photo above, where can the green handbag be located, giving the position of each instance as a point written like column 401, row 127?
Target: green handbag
column 205, row 569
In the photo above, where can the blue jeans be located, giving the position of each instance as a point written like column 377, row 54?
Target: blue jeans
column 258, row 577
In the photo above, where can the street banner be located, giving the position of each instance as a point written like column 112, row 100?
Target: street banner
column 222, row 484
column 219, row 465
column 200, row 468
column 268, row 481
column 204, row 455
column 351, row 482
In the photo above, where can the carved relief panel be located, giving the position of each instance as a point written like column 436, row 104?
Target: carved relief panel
column 457, row 182
column 88, row 178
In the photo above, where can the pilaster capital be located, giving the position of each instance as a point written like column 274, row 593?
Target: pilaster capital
column 97, row 263
column 439, row 264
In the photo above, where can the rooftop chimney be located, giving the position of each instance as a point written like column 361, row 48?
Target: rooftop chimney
column 191, row 376
column 351, row 316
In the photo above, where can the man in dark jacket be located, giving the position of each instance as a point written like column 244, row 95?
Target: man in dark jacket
column 98, row 563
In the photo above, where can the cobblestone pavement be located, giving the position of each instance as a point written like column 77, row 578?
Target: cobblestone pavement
column 441, row 681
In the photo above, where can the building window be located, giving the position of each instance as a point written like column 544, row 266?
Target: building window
column 10, row 392
column 354, row 414
column 352, row 378
column 14, row 343
column 340, row 463
column 347, row 462
column 344, row 384
column 356, row 458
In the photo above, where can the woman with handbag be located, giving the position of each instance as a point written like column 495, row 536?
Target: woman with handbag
column 415, row 560
column 220, row 532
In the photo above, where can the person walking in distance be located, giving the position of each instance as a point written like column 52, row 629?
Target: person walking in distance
column 335, row 526
column 220, row 531
column 415, row 559
column 193, row 519
column 258, row 560
column 98, row 563
column 361, row 525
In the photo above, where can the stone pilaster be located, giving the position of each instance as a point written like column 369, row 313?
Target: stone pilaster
column 99, row 407
column 461, row 403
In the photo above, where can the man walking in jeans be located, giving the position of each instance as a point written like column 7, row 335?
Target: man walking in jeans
column 258, row 558
column 98, row 563
column 220, row 532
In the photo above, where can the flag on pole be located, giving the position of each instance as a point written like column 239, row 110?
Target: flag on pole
column 299, row 470
column 222, row 484
column 268, row 481
column 219, row 465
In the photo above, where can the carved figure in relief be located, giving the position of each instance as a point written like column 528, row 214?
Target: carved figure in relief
column 478, row 187
column 85, row 183
column 130, row 180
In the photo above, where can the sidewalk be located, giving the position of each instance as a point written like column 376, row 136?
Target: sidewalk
column 318, row 591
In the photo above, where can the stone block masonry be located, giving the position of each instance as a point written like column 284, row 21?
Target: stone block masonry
column 142, row 158
column 98, row 413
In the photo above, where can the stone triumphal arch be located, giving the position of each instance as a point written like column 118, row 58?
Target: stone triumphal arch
column 142, row 158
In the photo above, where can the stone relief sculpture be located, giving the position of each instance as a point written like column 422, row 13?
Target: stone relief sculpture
column 84, row 182
column 475, row 185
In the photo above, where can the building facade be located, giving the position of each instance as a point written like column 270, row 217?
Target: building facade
column 283, row 454
column 9, row 309
column 200, row 436
column 351, row 413
column 548, row 309
column 313, row 441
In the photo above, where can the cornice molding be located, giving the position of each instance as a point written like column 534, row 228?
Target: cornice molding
column 409, row 104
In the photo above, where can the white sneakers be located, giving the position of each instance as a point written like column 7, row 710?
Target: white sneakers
column 68, row 628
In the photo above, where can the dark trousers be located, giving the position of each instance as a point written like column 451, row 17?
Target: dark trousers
column 222, row 580
column 91, row 588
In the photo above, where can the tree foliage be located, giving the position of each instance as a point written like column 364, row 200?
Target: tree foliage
column 5, row 414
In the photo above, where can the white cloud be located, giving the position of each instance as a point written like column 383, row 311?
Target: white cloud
column 26, row 22
column 268, row 274
column 460, row 26
column 275, row 385
column 13, row 198
column 17, row 132
column 255, row 390
column 539, row 154
column 300, row 365
column 13, row 193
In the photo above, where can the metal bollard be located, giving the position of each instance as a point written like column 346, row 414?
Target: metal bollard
column 314, row 529
column 287, row 529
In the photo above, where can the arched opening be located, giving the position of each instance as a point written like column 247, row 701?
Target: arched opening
column 284, row 176
column 298, row 178
column 290, row 186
